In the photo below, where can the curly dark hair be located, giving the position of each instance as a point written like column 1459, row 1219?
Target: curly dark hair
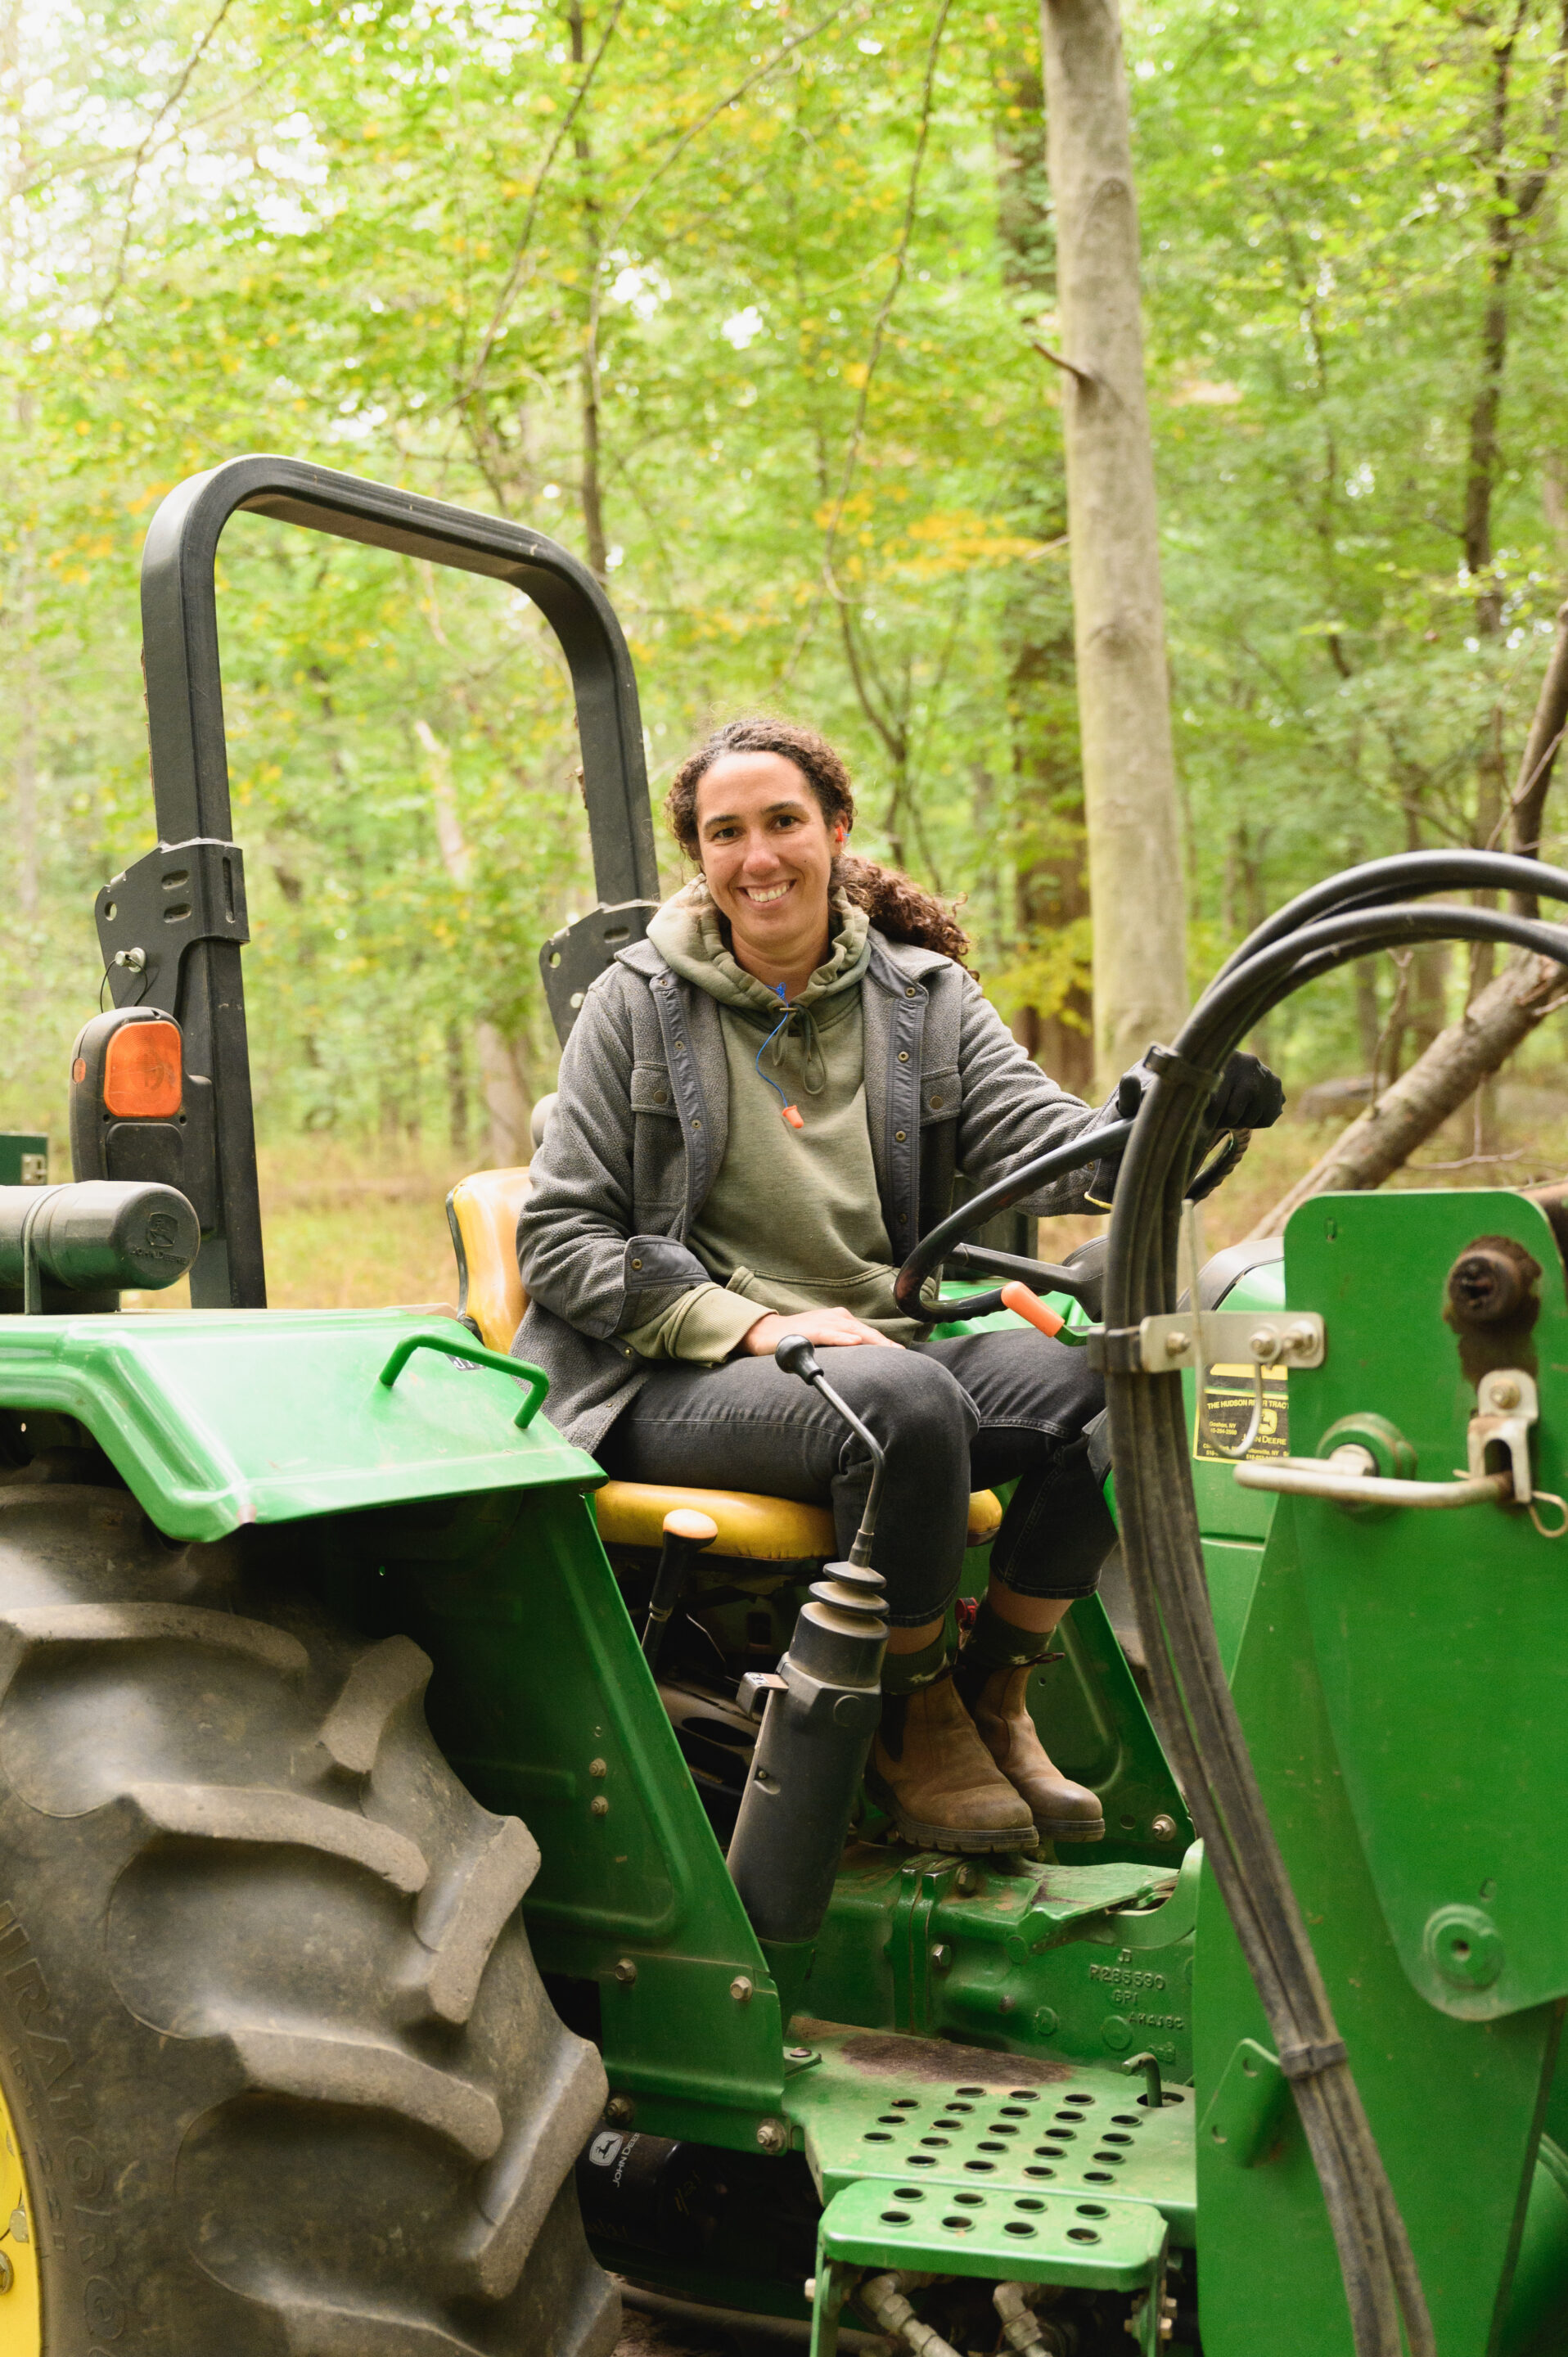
column 894, row 902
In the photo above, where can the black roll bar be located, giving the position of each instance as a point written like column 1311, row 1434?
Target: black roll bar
column 193, row 973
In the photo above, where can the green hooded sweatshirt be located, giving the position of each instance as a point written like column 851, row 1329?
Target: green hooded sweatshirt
column 792, row 1221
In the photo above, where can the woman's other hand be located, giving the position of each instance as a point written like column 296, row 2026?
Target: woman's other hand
column 824, row 1326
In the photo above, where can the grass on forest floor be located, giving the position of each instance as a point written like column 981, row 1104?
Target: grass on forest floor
column 346, row 1228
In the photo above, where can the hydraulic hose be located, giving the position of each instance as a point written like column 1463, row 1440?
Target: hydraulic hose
column 1340, row 919
column 1414, row 872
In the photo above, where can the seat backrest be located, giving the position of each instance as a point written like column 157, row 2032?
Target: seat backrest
column 482, row 1213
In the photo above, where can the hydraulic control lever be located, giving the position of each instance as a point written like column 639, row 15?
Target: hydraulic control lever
column 820, row 1711
column 795, row 1356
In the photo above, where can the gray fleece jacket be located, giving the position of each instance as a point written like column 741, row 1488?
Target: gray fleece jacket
column 639, row 1131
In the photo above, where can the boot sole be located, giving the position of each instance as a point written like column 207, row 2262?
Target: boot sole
column 972, row 1841
column 1072, row 1829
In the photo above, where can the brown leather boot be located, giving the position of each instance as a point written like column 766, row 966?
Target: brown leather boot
column 1062, row 1811
column 932, row 1774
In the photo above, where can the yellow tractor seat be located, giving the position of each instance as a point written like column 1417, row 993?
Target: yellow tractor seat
column 756, row 1529
column 482, row 1212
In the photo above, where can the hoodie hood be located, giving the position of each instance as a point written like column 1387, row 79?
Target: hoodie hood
column 687, row 933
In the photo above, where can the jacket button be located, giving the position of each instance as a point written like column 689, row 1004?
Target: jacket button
column 908, row 990
column 660, row 1097
column 637, row 1264
column 696, row 1124
column 903, row 1055
column 936, row 1104
column 903, row 1218
column 900, row 1137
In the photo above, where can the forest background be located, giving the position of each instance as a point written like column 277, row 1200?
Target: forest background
column 752, row 303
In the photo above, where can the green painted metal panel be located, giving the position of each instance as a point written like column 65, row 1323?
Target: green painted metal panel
column 1062, row 1963
column 24, row 1158
column 216, row 1418
column 545, row 1704
column 1442, row 1638
column 1232, row 1567
column 1455, row 2106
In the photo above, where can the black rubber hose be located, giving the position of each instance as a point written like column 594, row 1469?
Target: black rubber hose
column 1162, row 1545
column 1407, row 872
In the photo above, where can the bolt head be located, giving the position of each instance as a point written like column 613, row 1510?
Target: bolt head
column 967, row 1879
column 1506, row 1394
column 1176, row 1343
column 772, row 2136
column 809, row 2291
column 1264, row 1344
column 599, row 1768
column 7, row 2273
column 1163, row 1828
column 626, row 1970
column 598, row 1806
column 941, row 1957
column 1301, row 1338
column 798, row 2053
column 740, row 1988
column 620, row 2110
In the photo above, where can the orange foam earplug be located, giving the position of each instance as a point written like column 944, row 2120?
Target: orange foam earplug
column 791, row 1113
column 1017, row 1297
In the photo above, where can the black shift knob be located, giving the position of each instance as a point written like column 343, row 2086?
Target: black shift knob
column 796, row 1357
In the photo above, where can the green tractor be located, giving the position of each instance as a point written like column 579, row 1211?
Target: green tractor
column 436, row 1881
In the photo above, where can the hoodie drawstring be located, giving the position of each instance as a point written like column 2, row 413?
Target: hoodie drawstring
column 813, row 1087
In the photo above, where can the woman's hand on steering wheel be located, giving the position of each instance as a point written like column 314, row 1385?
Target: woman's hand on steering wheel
column 828, row 1327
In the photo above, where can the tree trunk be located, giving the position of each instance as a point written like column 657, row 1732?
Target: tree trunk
column 1129, row 770
column 503, row 1075
column 1051, row 880
column 1539, row 760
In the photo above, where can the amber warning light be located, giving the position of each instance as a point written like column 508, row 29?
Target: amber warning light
column 142, row 1075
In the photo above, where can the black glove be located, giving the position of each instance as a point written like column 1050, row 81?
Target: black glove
column 1246, row 1096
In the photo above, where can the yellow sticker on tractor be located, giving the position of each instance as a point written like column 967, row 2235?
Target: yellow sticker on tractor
column 1229, row 1397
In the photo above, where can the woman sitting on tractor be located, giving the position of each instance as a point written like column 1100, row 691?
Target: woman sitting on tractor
column 762, row 1107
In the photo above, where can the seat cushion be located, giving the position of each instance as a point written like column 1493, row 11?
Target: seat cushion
column 482, row 1213
column 753, row 1528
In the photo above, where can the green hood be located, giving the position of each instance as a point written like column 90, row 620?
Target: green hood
column 685, row 931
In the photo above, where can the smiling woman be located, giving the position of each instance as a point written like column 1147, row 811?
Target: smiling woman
column 677, row 1230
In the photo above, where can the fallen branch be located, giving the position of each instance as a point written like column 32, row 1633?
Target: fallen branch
column 1497, row 1019
column 1378, row 1141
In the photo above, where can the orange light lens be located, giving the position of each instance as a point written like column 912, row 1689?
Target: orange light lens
column 142, row 1071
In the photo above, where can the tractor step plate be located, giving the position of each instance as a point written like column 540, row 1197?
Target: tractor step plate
column 1021, row 2237
column 917, row 2112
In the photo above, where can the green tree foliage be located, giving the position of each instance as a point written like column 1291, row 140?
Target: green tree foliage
column 751, row 305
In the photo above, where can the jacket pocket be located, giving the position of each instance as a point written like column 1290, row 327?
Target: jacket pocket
column 941, row 1096
column 652, row 1092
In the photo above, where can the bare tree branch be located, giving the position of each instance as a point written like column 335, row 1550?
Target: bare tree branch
column 900, row 261
column 514, row 274
column 182, row 83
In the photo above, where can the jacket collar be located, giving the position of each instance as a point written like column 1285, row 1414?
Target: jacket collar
column 642, row 958
column 901, row 960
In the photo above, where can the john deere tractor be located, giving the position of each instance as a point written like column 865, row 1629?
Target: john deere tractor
column 437, row 1885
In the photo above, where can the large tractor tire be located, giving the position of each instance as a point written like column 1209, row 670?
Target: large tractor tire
column 280, row 2076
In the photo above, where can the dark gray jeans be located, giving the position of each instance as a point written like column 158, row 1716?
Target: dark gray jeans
column 953, row 1415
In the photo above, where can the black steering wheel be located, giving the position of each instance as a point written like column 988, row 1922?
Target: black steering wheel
column 944, row 1241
